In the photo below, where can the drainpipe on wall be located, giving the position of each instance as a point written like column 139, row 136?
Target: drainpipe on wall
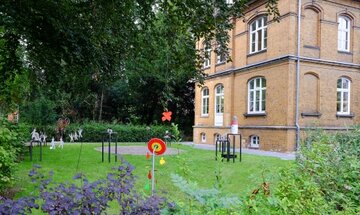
column 297, row 141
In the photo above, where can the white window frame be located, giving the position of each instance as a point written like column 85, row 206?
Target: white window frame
column 207, row 54
column 220, row 96
column 343, row 93
column 203, row 137
column 205, row 102
column 259, row 30
column 254, row 93
column 344, row 34
column 254, row 141
column 220, row 58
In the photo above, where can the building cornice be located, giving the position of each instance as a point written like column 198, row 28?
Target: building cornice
column 279, row 60
column 279, row 127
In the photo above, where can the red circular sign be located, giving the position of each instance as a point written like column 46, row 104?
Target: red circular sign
column 157, row 145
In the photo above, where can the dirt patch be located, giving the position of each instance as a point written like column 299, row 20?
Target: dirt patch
column 137, row 150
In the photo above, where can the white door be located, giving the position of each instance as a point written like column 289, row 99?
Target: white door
column 219, row 105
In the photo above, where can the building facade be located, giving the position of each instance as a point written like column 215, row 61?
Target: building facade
column 284, row 77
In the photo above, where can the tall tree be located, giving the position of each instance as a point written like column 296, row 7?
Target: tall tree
column 76, row 47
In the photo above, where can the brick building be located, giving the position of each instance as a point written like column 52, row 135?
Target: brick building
column 278, row 85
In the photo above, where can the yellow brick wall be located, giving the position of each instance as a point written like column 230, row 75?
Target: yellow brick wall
column 277, row 129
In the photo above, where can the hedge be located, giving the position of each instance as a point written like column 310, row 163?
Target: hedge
column 94, row 132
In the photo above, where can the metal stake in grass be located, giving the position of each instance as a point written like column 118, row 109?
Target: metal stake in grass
column 153, row 171
column 157, row 147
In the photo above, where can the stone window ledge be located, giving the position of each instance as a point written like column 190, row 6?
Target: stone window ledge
column 258, row 52
column 254, row 114
column 314, row 114
column 351, row 115
column 345, row 52
column 312, row 47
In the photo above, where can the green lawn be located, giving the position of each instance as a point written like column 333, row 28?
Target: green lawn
column 240, row 178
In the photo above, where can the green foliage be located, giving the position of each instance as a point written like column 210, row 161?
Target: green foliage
column 325, row 179
column 126, row 60
column 11, row 146
column 176, row 132
column 333, row 161
column 208, row 201
column 14, row 81
column 41, row 111
column 7, row 165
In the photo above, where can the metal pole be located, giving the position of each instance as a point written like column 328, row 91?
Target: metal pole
column 234, row 138
column 40, row 151
column 240, row 147
column 297, row 84
column 102, row 150
column 30, row 150
column 216, row 149
column 153, row 172
column 109, row 147
column 116, row 149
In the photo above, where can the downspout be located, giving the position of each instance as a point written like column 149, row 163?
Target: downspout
column 297, row 141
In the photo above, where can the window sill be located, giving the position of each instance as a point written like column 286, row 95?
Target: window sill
column 315, row 114
column 345, row 52
column 311, row 47
column 204, row 116
column 220, row 63
column 254, row 114
column 206, row 67
column 339, row 115
column 255, row 53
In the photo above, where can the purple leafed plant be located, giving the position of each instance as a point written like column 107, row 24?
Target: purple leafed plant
column 20, row 206
column 89, row 197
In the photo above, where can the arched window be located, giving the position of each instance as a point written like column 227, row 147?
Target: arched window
column 344, row 34
column 258, row 34
column 205, row 102
column 207, row 54
column 257, row 95
column 254, row 141
column 343, row 96
column 219, row 104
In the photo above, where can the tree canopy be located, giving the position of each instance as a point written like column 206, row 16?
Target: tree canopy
column 80, row 53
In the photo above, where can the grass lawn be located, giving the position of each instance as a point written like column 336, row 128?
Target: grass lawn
column 239, row 178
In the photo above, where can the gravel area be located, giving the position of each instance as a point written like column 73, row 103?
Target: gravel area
column 137, row 150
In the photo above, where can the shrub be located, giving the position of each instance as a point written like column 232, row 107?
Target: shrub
column 95, row 132
column 7, row 165
column 11, row 146
column 324, row 180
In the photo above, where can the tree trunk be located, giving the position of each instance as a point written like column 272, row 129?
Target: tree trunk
column 101, row 104
column 95, row 107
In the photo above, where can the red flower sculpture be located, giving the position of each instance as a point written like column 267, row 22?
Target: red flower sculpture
column 166, row 116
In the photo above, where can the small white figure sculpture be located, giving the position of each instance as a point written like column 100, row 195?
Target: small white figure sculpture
column 61, row 143
column 35, row 135
column 71, row 138
column 80, row 133
column 52, row 146
column 75, row 136
column 43, row 137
